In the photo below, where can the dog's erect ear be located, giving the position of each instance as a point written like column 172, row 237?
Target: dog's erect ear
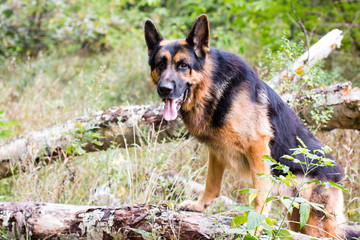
column 152, row 36
column 199, row 35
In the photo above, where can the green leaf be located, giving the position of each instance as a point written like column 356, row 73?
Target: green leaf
column 238, row 221
column 254, row 219
column 268, row 199
column 270, row 221
column 287, row 203
column 313, row 181
column 263, row 176
column 250, row 237
column 285, row 169
column 252, row 196
column 288, row 157
column 269, row 163
column 248, row 190
column 327, row 149
column 236, row 236
column 235, row 231
column 243, row 208
column 142, row 232
column 98, row 143
column 304, row 214
column 339, row 186
column 79, row 150
column 301, row 142
column 318, row 207
column 298, row 161
column 266, row 226
column 268, row 158
column 283, row 234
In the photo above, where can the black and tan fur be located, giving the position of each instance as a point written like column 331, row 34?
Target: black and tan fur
column 227, row 107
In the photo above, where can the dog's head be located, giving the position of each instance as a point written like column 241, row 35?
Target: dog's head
column 177, row 65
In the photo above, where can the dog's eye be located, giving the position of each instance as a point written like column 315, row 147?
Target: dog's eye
column 183, row 66
column 161, row 65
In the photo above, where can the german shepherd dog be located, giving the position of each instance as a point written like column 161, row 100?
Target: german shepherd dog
column 226, row 106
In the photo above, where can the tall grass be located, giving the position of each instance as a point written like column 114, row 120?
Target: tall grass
column 50, row 89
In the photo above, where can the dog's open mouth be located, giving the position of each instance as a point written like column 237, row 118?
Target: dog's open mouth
column 172, row 106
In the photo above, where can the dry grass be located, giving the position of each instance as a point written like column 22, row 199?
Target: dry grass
column 346, row 150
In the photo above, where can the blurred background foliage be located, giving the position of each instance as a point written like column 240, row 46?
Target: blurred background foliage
column 245, row 27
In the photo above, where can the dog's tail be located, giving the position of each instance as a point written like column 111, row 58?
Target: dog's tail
column 351, row 234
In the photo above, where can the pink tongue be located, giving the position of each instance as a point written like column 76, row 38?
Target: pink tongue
column 170, row 112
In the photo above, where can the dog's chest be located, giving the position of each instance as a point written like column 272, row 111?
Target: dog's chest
column 232, row 159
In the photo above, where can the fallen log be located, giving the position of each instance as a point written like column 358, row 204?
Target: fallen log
column 20, row 220
column 342, row 98
column 120, row 126
column 320, row 50
column 125, row 127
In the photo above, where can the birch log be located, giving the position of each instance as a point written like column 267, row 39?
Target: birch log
column 317, row 52
column 21, row 220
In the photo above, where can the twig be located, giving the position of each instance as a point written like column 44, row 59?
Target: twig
column 303, row 29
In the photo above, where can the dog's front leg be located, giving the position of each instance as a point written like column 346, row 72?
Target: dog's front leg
column 212, row 188
column 257, row 165
column 255, row 157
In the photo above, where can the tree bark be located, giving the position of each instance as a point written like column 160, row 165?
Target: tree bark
column 20, row 220
column 345, row 103
column 44, row 220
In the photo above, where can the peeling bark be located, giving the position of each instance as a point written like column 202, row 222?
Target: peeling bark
column 45, row 220
column 20, row 220
column 344, row 100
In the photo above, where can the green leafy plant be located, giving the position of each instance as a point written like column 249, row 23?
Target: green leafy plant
column 247, row 223
column 83, row 135
column 3, row 235
column 5, row 132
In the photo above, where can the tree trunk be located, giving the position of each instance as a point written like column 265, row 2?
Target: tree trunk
column 20, row 220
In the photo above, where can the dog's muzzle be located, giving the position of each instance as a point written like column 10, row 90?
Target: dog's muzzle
column 173, row 105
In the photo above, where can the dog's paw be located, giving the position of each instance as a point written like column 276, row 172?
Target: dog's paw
column 189, row 205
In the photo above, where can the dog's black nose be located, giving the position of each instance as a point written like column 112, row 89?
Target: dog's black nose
column 165, row 88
